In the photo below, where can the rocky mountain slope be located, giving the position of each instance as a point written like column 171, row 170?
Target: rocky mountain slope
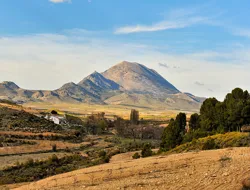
column 134, row 77
column 126, row 83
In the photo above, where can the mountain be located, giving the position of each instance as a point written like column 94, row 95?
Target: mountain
column 137, row 78
column 127, row 83
column 98, row 84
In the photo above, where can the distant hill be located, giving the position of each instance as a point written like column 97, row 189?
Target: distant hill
column 126, row 83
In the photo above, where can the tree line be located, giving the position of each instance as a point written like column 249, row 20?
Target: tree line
column 214, row 117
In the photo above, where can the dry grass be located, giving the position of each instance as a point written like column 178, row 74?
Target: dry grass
column 12, row 160
column 17, row 107
column 42, row 145
column 29, row 133
column 200, row 170
column 231, row 139
column 110, row 110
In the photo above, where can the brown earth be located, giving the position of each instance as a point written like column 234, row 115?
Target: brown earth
column 30, row 133
column 42, row 145
column 215, row 169
column 7, row 161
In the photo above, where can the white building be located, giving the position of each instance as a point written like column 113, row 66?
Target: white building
column 56, row 119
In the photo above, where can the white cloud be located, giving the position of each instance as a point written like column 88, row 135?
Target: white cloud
column 47, row 61
column 163, row 25
column 60, row 1
column 242, row 32
column 175, row 19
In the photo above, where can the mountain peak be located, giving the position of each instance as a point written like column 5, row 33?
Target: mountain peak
column 68, row 85
column 128, row 63
column 94, row 74
column 138, row 78
column 97, row 82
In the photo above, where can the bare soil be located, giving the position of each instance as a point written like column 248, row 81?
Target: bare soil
column 42, row 145
column 206, row 170
column 7, row 161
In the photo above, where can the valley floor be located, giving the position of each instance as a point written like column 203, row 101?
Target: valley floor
column 215, row 169
column 84, row 110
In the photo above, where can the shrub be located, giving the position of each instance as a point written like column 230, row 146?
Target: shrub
column 54, row 148
column 29, row 162
column 106, row 159
column 136, row 155
column 146, row 151
column 188, row 137
column 102, row 153
column 232, row 139
column 54, row 158
column 68, row 150
column 209, row 144
column 54, row 112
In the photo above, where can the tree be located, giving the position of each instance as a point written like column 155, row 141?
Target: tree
column 194, row 122
column 119, row 126
column 228, row 115
column 173, row 134
column 168, row 138
column 54, row 148
column 101, row 126
column 208, row 114
column 180, row 127
column 131, row 130
column 134, row 117
column 235, row 102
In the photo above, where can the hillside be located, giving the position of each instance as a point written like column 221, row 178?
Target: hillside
column 19, row 120
column 214, row 169
column 126, row 83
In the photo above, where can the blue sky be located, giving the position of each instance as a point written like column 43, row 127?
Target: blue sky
column 200, row 46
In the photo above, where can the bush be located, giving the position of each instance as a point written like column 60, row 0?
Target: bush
column 54, row 112
column 199, row 133
column 209, row 144
column 54, row 148
column 106, row 159
column 146, row 151
column 102, row 153
column 136, row 156
column 29, row 162
column 33, row 171
column 232, row 139
column 54, row 158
